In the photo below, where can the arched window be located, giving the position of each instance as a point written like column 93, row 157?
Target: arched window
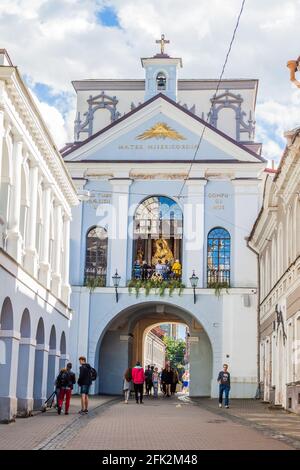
column 218, row 256
column 161, row 81
column 96, row 257
column 157, row 236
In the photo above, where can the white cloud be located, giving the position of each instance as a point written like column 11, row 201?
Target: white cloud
column 56, row 41
column 59, row 126
column 274, row 118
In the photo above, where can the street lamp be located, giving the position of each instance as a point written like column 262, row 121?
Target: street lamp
column 194, row 281
column 116, row 280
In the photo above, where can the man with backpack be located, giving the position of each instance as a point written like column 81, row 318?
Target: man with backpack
column 65, row 381
column 87, row 375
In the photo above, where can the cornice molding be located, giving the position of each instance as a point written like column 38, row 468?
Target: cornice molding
column 19, row 97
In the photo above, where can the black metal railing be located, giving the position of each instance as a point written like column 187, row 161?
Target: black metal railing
column 218, row 276
column 94, row 277
column 138, row 272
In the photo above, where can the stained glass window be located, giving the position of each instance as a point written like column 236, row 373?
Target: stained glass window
column 218, row 256
column 96, row 256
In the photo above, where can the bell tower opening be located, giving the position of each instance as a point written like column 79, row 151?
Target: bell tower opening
column 161, row 81
column 161, row 72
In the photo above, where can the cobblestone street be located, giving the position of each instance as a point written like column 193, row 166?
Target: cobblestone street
column 175, row 423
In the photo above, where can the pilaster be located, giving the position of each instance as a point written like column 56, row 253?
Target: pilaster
column 193, row 230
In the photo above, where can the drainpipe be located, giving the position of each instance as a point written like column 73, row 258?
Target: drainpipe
column 258, row 390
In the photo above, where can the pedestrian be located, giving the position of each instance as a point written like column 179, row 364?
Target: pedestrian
column 66, row 380
column 224, row 385
column 84, row 381
column 148, row 380
column 175, row 381
column 155, row 381
column 185, row 381
column 138, row 378
column 167, row 379
column 127, row 384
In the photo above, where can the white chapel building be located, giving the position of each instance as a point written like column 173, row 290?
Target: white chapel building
column 36, row 196
column 156, row 181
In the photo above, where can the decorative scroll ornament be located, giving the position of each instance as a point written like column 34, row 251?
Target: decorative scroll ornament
column 230, row 100
column 101, row 101
column 192, row 109
column 294, row 66
column 160, row 131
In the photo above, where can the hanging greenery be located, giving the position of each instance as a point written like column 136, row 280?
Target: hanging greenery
column 218, row 286
column 93, row 282
column 157, row 286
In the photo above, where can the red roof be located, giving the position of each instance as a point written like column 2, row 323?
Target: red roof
column 158, row 332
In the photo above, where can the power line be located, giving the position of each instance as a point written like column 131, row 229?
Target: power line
column 215, row 94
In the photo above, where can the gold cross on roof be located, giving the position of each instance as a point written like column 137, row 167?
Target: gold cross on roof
column 162, row 41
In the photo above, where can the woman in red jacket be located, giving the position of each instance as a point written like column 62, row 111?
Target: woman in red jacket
column 138, row 379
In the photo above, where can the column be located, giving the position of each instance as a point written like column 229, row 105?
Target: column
column 44, row 272
column 25, row 376
column 9, row 343
column 2, row 221
column 53, row 364
column 193, row 231
column 66, row 289
column 64, row 358
column 56, row 275
column 30, row 262
column 246, row 206
column 1, row 137
column 40, row 375
column 118, row 230
column 14, row 238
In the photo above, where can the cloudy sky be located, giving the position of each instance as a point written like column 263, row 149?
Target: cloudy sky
column 56, row 41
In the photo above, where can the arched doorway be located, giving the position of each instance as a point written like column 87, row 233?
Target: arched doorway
column 9, row 344
column 63, row 350
column 52, row 368
column 40, row 365
column 121, row 345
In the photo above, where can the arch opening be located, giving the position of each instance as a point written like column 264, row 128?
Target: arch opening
column 122, row 344
column 39, row 391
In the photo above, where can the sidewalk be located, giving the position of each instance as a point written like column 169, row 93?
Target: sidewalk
column 278, row 423
column 36, row 431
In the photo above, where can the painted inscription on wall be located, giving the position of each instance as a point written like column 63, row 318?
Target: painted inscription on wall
column 219, row 200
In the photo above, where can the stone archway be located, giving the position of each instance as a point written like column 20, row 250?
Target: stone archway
column 63, row 351
column 52, row 362
column 9, row 344
column 40, row 366
column 121, row 345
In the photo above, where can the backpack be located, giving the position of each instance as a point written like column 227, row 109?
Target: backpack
column 93, row 374
column 62, row 379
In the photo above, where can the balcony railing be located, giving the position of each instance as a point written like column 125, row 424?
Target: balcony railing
column 94, row 277
column 144, row 274
column 218, row 276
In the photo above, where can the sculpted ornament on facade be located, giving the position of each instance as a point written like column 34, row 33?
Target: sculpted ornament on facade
column 294, row 66
column 161, row 130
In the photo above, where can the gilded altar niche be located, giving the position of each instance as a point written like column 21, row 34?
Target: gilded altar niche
column 157, row 231
column 164, row 250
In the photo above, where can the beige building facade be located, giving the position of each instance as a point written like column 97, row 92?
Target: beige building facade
column 275, row 237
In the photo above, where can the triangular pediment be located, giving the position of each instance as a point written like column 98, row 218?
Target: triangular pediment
column 160, row 130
